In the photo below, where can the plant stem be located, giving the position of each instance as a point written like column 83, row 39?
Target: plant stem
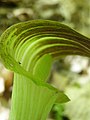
column 29, row 101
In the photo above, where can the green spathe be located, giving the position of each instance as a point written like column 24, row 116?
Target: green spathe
column 29, row 49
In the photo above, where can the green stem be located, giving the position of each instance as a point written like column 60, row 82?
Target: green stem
column 29, row 101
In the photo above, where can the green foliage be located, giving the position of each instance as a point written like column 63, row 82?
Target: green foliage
column 28, row 49
column 58, row 109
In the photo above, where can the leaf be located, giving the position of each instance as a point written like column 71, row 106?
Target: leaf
column 62, row 98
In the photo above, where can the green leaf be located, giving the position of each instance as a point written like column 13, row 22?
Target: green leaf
column 62, row 98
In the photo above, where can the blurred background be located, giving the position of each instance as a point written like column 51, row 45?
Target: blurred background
column 71, row 74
